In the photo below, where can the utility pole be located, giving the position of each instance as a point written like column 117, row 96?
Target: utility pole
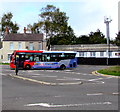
column 107, row 21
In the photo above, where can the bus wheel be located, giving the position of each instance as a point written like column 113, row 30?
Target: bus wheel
column 27, row 67
column 62, row 67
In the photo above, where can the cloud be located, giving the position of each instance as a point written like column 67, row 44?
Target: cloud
column 84, row 15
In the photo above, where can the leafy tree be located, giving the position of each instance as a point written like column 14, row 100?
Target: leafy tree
column 92, row 38
column 117, row 39
column 6, row 21
column 97, row 37
column 54, row 24
column 83, row 39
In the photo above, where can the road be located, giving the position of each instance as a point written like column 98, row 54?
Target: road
column 74, row 89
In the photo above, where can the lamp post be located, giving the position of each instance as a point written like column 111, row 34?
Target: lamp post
column 107, row 21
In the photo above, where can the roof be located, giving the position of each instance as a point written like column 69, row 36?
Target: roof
column 28, row 51
column 23, row 37
column 86, row 47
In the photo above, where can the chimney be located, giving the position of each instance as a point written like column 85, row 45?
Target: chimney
column 25, row 29
column 6, row 30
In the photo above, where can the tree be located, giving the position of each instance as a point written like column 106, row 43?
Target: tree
column 117, row 39
column 54, row 24
column 6, row 21
column 83, row 39
column 97, row 37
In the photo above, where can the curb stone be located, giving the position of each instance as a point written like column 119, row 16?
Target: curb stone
column 99, row 74
column 45, row 83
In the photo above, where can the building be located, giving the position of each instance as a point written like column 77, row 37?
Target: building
column 97, row 54
column 119, row 17
column 21, row 41
column 0, row 43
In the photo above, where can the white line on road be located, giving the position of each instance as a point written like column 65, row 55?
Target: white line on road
column 2, row 74
column 94, row 94
column 68, row 105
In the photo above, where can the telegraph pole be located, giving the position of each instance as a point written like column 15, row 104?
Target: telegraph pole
column 107, row 21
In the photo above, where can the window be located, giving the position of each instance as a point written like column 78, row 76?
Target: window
column 9, row 56
column 117, row 54
column 11, row 46
column 19, row 45
column 92, row 53
column 1, row 56
column 101, row 53
column 39, row 46
column 81, row 54
column 110, row 53
column 31, row 46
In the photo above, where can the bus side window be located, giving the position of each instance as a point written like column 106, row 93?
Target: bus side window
column 44, row 58
column 48, row 58
column 36, row 58
column 31, row 58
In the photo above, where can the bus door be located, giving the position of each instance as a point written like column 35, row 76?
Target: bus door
column 21, row 60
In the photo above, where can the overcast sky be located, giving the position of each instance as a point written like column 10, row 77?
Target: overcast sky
column 84, row 15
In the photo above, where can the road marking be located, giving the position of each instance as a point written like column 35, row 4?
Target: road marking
column 42, row 75
column 33, row 80
column 30, row 71
column 58, row 96
column 117, row 93
column 97, row 94
column 47, row 76
column 43, row 82
column 67, row 105
column 2, row 74
column 94, row 94
column 69, row 78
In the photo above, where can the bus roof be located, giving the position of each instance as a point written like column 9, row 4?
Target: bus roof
column 43, row 51
column 59, row 52
column 31, row 51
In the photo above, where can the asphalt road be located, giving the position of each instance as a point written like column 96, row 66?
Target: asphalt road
column 74, row 89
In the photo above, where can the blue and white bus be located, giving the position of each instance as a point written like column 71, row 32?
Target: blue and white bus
column 46, row 59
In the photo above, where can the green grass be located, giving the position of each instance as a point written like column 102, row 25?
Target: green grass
column 4, row 63
column 115, row 70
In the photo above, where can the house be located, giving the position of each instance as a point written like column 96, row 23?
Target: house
column 21, row 41
column 0, row 43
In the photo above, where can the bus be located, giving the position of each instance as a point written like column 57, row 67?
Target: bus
column 29, row 59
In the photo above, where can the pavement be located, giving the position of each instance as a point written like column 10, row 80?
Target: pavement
column 104, row 75
column 70, row 89
column 51, row 79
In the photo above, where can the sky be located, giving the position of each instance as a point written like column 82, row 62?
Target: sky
column 85, row 16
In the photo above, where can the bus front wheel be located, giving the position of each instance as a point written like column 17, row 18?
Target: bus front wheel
column 27, row 67
column 62, row 67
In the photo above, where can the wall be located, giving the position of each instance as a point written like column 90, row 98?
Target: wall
column 98, row 61
column 5, row 51
column 118, row 16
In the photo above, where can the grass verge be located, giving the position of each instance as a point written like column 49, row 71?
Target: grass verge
column 4, row 63
column 115, row 71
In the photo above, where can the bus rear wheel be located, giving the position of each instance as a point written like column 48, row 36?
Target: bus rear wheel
column 27, row 67
column 62, row 67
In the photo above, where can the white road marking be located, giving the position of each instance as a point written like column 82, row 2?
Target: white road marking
column 86, row 74
column 68, row 105
column 58, row 96
column 69, row 78
column 2, row 74
column 30, row 71
column 38, row 74
column 116, row 93
column 47, row 76
column 35, row 76
column 94, row 94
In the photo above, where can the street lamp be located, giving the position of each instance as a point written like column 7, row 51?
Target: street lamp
column 107, row 21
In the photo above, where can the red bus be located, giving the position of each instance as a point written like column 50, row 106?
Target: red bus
column 24, row 55
column 44, row 59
